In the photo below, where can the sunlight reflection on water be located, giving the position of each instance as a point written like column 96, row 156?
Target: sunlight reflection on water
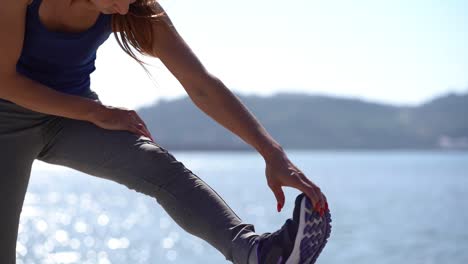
column 385, row 209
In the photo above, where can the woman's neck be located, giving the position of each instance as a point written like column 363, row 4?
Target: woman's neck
column 85, row 4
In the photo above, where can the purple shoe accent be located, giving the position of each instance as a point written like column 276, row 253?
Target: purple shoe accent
column 280, row 260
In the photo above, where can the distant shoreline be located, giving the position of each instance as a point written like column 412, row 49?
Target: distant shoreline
column 463, row 150
column 299, row 121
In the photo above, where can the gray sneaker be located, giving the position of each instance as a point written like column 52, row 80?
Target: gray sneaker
column 300, row 240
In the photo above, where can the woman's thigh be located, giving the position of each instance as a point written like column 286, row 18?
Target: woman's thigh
column 146, row 167
column 116, row 155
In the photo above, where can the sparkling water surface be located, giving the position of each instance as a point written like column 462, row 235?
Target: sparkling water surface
column 387, row 207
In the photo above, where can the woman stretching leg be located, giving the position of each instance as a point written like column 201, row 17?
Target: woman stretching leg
column 48, row 112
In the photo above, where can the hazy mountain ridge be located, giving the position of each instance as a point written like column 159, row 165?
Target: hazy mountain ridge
column 303, row 121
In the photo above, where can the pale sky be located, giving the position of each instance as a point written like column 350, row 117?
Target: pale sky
column 393, row 51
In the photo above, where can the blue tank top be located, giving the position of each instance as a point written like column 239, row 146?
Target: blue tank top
column 61, row 60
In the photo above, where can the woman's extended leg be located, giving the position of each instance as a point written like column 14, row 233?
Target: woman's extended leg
column 146, row 167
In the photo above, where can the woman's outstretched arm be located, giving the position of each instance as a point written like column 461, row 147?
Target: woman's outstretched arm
column 211, row 96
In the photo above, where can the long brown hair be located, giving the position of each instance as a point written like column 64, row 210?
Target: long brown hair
column 134, row 29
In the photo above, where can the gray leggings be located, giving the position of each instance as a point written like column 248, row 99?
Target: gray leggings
column 120, row 156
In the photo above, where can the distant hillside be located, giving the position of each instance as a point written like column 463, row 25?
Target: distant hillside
column 301, row 121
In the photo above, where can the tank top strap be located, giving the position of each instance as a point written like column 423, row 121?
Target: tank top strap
column 34, row 4
column 33, row 9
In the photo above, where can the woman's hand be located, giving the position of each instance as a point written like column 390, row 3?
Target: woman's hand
column 120, row 118
column 280, row 171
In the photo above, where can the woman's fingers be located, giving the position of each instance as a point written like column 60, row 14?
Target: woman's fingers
column 145, row 130
column 311, row 190
column 138, row 118
column 137, row 129
column 279, row 195
column 141, row 124
column 321, row 197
